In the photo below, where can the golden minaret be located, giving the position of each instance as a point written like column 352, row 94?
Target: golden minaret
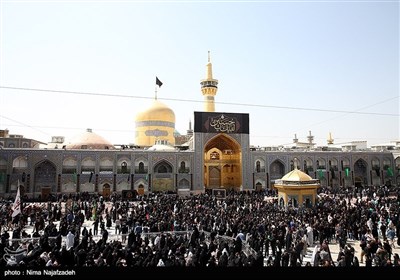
column 209, row 88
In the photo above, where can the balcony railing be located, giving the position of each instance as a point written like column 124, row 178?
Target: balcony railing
column 88, row 169
column 67, row 170
column 143, row 171
column 106, row 168
column 123, row 170
column 19, row 170
column 183, row 170
column 225, row 161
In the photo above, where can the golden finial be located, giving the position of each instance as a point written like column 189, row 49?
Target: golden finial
column 330, row 139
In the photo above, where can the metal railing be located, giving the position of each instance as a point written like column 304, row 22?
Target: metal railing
column 246, row 248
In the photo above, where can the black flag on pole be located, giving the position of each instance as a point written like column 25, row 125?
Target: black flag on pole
column 158, row 82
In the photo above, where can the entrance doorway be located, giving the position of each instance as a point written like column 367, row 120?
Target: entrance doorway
column 46, row 191
column 45, row 176
column 215, row 177
column 141, row 189
column 358, row 182
column 222, row 163
column 106, row 190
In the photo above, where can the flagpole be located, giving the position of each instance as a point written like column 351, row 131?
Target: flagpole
column 159, row 84
column 155, row 93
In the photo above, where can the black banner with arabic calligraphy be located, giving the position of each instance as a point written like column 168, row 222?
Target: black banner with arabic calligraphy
column 216, row 122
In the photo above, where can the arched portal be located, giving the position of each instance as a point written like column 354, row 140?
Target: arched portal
column 222, row 163
column 163, row 179
column 360, row 173
column 276, row 171
column 259, row 186
column 184, row 184
column 45, row 179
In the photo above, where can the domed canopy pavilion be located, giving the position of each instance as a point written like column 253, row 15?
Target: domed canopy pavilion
column 296, row 189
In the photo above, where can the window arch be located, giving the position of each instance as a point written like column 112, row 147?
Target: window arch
column 141, row 167
column 69, row 165
column 321, row 163
column 397, row 163
column 124, row 167
column 163, row 167
column 308, row 165
column 277, row 170
column 345, row 163
column 214, row 155
column 183, row 168
column 333, row 164
column 258, row 166
column 386, row 163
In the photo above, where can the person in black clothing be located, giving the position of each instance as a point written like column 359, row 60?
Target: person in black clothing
column 96, row 226
column 104, row 236
column 368, row 260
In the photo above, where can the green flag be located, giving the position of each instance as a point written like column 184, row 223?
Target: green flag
column 347, row 171
column 74, row 177
column 94, row 211
column 320, row 174
column 389, row 171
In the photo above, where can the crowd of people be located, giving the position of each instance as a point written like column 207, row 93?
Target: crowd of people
column 244, row 229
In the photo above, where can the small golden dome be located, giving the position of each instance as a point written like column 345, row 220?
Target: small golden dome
column 89, row 140
column 297, row 175
column 158, row 111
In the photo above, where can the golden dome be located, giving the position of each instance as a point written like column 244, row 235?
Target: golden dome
column 155, row 123
column 297, row 175
column 89, row 140
column 158, row 111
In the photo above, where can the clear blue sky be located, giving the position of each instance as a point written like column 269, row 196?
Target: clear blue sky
column 275, row 56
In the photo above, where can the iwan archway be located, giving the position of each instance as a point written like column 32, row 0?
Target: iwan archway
column 221, row 144
column 222, row 163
